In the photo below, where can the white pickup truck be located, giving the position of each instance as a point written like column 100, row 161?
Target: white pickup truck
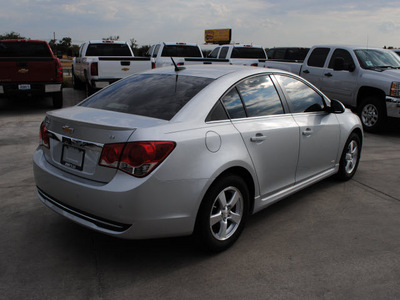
column 247, row 55
column 161, row 53
column 365, row 79
column 101, row 63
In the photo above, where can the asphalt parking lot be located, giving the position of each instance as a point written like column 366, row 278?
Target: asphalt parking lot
column 333, row 240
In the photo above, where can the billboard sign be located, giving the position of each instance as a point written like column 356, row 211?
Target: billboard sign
column 218, row 36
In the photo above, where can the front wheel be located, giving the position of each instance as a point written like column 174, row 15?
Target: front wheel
column 223, row 213
column 372, row 113
column 350, row 158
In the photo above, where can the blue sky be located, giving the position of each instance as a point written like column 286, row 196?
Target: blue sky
column 263, row 22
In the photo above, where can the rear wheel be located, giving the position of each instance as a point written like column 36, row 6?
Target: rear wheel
column 58, row 100
column 350, row 158
column 223, row 213
column 372, row 113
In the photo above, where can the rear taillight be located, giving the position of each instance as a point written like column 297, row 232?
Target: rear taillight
column 153, row 65
column 137, row 158
column 94, row 69
column 254, row 65
column 59, row 71
column 44, row 136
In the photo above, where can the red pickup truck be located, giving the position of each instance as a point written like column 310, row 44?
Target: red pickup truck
column 29, row 67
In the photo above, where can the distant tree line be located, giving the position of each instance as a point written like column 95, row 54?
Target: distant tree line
column 65, row 46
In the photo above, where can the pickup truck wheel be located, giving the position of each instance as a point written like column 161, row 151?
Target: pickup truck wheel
column 76, row 83
column 350, row 158
column 89, row 90
column 372, row 113
column 58, row 100
column 223, row 213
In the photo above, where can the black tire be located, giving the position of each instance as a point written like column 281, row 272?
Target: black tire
column 226, row 205
column 372, row 113
column 89, row 89
column 76, row 83
column 58, row 100
column 350, row 158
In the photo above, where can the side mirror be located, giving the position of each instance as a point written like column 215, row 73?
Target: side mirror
column 336, row 107
column 338, row 64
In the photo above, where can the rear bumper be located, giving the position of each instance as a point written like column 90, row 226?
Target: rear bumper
column 102, row 83
column 126, row 207
column 37, row 88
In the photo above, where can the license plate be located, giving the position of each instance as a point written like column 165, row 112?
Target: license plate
column 24, row 87
column 72, row 157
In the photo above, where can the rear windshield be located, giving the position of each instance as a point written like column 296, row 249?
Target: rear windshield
column 247, row 52
column 24, row 49
column 181, row 51
column 158, row 96
column 108, row 50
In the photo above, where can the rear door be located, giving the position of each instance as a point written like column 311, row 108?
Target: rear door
column 319, row 130
column 270, row 135
column 313, row 68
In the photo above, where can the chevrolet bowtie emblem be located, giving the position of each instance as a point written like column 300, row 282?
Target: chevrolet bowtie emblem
column 68, row 129
column 23, row 71
column 125, row 69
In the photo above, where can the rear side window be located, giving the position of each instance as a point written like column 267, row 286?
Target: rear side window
column 247, row 52
column 152, row 95
column 24, row 49
column 181, row 51
column 318, row 57
column 260, row 96
column 108, row 49
column 253, row 97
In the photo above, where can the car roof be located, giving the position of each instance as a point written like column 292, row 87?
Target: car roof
column 210, row 71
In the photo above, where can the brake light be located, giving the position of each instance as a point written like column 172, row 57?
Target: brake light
column 254, row 65
column 94, row 69
column 153, row 65
column 44, row 136
column 59, row 71
column 137, row 158
column 180, row 43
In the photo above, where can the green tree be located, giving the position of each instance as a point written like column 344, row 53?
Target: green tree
column 11, row 36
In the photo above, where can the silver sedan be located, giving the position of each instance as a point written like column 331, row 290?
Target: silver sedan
column 177, row 151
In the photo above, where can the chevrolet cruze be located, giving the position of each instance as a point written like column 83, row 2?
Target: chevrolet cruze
column 177, row 151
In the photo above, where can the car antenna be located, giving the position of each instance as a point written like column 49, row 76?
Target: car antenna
column 177, row 69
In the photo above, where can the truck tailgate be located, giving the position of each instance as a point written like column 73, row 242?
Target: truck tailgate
column 120, row 67
column 39, row 69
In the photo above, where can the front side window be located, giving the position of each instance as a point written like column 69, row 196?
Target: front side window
column 318, row 57
column 341, row 53
column 224, row 52
column 214, row 53
column 151, row 95
column 302, row 98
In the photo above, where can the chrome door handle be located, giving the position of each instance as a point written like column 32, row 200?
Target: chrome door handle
column 258, row 138
column 307, row 132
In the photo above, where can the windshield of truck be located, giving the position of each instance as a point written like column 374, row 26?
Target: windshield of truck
column 151, row 95
column 377, row 59
column 247, row 52
column 108, row 49
column 181, row 51
column 24, row 49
